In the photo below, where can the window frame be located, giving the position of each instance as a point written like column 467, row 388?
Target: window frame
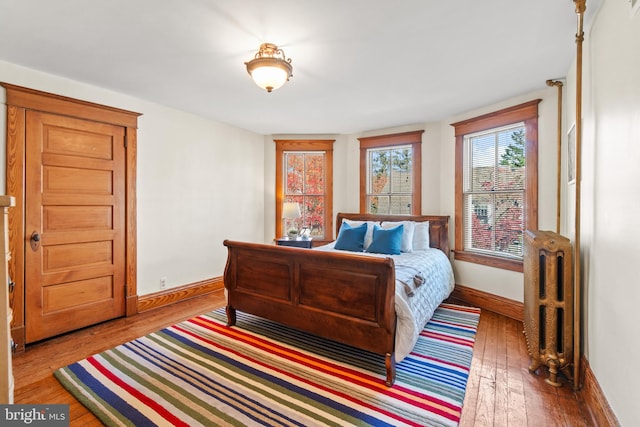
column 528, row 114
column 306, row 146
column 414, row 139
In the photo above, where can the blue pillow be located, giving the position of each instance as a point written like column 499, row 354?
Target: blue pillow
column 351, row 238
column 386, row 241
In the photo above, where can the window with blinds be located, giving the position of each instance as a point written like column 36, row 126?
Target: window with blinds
column 496, row 185
column 494, row 179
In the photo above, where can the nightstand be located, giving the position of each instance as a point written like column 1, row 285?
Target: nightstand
column 297, row 243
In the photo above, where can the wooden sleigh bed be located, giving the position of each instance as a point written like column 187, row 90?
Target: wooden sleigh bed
column 345, row 297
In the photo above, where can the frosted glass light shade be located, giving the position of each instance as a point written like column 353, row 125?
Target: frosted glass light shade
column 267, row 70
column 269, row 78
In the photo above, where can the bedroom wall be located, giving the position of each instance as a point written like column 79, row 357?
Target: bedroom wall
column 346, row 170
column 438, row 172
column 184, row 212
column 610, row 225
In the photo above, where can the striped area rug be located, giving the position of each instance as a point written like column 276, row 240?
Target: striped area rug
column 201, row 372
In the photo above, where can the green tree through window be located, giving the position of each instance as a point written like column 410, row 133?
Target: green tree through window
column 514, row 153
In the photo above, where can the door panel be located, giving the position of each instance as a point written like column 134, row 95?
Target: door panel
column 76, row 255
column 73, row 294
column 69, row 218
column 75, row 204
column 76, row 180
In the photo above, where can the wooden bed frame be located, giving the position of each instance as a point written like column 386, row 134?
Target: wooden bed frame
column 349, row 298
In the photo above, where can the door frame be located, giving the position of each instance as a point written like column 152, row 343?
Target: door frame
column 19, row 100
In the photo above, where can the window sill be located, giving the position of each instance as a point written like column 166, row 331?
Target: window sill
column 490, row 261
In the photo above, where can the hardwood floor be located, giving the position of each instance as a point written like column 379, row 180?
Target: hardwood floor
column 500, row 390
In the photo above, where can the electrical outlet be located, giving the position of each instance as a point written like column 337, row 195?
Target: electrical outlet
column 163, row 282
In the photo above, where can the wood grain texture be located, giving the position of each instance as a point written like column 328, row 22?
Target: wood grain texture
column 75, row 204
column 19, row 100
column 497, row 304
column 500, row 355
column 131, row 250
column 500, row 389
column 14, row 186
column 42, row 101
column 353, row 304
column 171, row 296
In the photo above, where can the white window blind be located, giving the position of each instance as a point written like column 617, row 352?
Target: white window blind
column 494, row 191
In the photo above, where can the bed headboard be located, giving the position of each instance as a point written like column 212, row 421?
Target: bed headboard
column 438, row 225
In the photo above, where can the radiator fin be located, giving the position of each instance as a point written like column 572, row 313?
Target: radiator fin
column 548, row 302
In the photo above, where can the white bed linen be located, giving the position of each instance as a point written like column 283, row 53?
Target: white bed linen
column 413, row 312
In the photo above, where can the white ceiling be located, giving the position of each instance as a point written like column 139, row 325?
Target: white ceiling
column 357, row 64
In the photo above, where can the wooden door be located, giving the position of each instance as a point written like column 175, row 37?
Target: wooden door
column 74, row 224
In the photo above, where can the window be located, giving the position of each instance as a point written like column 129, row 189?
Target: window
column 304, row 171
column 390, row 174
column 496, row 185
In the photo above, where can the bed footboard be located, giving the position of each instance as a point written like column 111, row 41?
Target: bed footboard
column 342, row 297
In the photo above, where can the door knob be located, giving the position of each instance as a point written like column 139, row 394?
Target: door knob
column 35, row 240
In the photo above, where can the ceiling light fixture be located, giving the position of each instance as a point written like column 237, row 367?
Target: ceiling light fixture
column 268, row 70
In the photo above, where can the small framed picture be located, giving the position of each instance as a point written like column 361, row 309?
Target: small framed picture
column 571, row 155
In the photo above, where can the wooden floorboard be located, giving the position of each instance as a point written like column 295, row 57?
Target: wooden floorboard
column 500, row 390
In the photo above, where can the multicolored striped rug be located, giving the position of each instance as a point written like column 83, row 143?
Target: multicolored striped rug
column 201, row 372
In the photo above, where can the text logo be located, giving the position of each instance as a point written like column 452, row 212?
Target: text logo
column 34, row 415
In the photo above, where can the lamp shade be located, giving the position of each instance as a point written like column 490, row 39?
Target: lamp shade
column 291, row 210
column 268, row 70
column 269, row 77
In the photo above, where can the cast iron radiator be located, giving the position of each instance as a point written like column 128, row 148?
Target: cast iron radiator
column 548, row 302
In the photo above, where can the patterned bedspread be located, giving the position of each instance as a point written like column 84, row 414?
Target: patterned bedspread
column 415, row 304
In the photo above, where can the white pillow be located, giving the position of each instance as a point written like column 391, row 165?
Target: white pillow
column 421, row 236
column 368, row 237
column 407, row 234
